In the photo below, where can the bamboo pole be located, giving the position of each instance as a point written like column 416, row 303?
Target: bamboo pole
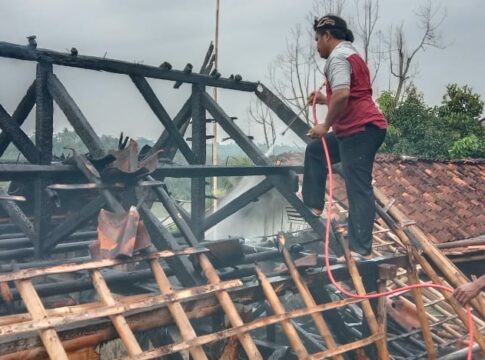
column 308, row 299
column 49, row 337
column 423, row 318
column 176, row 310
column 229, row 309
column 452, row 274
column 381, row 344
column 119, row 321
column 428, row 269
column 279, row 309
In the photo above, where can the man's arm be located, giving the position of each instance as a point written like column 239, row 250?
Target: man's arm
column 340, row 99
column 464, row 293
column 338, row 72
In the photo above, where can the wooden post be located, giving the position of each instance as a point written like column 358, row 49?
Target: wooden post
column 176, row 310
column 366, row 307
column 229, row 309
column 423, row 317
column 34, row 305
column 44, row 123
column 215, row 126
column 119, row 321
column 279, row 309
column 308, row 298
column 199, row 149
column 386, row 272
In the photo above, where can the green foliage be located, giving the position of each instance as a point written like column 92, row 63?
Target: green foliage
column 470, row 146
column 460, row 100
column 387, row 102
column 450, row 131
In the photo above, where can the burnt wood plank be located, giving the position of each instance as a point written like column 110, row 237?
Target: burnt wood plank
column 72, row 223
column 15, row 51
column 198, row 190
column 44, row 131
column 158, row 109
column 18, row 137
column 75, row 117
column 180, row 121
column 288, row 116
column 19, row 115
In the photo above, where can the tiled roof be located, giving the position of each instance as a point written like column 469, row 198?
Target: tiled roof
column 446, row 199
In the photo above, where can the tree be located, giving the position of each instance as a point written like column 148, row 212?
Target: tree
column 450, row 131
column 461, row 100
column 401, row 56
column 298, row 71
column 295, row 73
column 365, row 29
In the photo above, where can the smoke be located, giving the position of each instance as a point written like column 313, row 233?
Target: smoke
column 264, row 217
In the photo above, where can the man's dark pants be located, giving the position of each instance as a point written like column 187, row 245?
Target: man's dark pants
column 356, row 153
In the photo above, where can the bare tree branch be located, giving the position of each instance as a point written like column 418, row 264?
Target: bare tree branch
column 401, row 56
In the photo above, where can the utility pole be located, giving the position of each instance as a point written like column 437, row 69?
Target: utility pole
column 215, row 140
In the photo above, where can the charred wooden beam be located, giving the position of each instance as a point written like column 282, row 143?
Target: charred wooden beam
column 198, row 190
column 288, row 116
column 18, row 137
column 181, row 122
column 174, row 213
column 23, row 241
column 69, row 172
column 93, row 176
column 30, row 252
column 73, row 222
column 207, row 63
column 152, row 100
column 97, row 264
column 75, row 117
column 44, row 131
column 19, row 115
column 44, row 113
column 81, row 284
column 21, row 52
column 163, row 239
column 238, row 203
column 18, row 217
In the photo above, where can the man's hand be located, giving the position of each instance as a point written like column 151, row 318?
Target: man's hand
column 464, row 293
column 321, row 99
column 318, row 131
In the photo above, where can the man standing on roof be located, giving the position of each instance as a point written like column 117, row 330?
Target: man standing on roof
column 359, row 128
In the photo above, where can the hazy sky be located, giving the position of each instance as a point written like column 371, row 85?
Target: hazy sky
column 252, row 34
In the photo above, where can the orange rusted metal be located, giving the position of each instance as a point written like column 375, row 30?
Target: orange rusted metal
column 127, row 166
column 120, row 234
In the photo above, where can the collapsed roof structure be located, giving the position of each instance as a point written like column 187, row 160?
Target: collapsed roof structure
column 77, row 275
